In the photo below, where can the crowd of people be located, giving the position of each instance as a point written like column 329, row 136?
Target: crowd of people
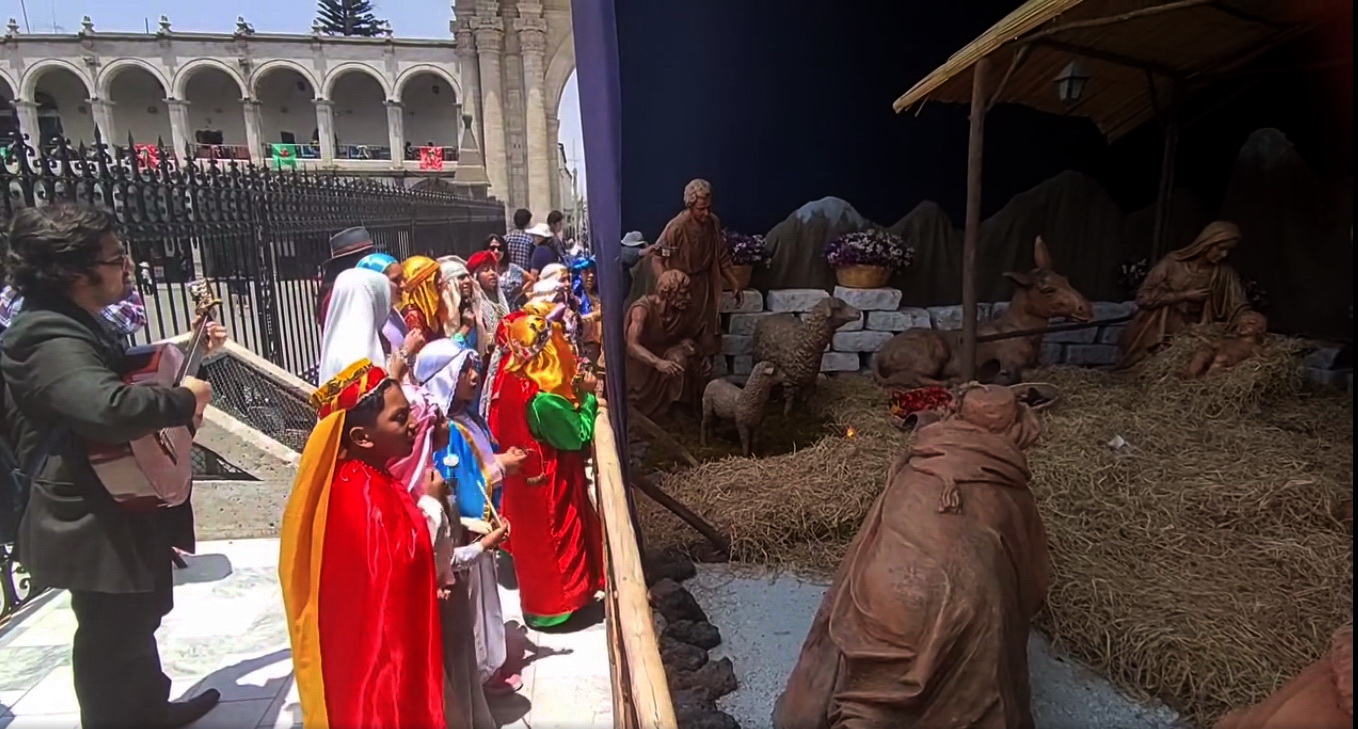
column 456, row 397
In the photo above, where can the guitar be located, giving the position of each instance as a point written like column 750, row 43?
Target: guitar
column 156, row 471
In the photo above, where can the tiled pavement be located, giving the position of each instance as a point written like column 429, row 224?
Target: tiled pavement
column 227, row 631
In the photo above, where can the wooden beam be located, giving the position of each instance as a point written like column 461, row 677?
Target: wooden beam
column 1243, row 15
column 971, row 233
column 1113, row 19
column 1020, row 55
column 1115, row 58
column 1160, row 234
column 676, row 507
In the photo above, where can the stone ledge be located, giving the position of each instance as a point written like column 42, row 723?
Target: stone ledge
column 743, row 324
column 839, row 362
column 753, row 301
column 852, row 326
column 899, row 320
column 794, row 300
column 736, row 345
column 881, row 299
column 860, row 341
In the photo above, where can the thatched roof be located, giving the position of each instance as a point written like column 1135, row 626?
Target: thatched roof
column 1133, row 50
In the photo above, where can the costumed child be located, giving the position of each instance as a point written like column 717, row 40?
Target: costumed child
column 587, row 303
column 459, row 300
column 492, row 307
column 422, row 305
column 394, row 329
column 541, row 407
column 451, row 377
column 357, row 567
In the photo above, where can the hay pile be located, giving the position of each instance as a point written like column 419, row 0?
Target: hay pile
column 1202, row 564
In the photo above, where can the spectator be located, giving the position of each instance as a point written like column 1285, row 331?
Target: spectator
column 556, row 222
column 518, row 242
column 347, row 248
column 545, row 251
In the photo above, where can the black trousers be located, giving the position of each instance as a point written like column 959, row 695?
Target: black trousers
column 118, row 679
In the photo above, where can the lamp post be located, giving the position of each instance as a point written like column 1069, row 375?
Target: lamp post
column 1071, row 82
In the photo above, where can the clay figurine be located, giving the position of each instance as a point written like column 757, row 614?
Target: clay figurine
column 664, row 362
column 922, row 357
column 1320, row 697
column 795, row 346
column 1193, row 285
column 1229, row 351
column 727, row 401
column 926, row 623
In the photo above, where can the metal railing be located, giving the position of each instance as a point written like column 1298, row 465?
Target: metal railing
column 258, row 233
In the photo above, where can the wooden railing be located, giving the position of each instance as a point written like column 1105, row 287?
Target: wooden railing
column 641, row 695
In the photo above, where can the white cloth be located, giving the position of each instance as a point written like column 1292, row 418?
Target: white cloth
column 454, row 270
column 449, row 560
column 359, row 304
column 438, row 367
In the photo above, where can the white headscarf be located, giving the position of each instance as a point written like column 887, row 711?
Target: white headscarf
column 554, row 279
column 359, row 304
column 453, row 269
column 438, row 367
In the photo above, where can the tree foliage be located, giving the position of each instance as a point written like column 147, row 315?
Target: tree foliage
column 348, row 17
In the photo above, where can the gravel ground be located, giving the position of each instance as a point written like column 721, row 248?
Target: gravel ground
column 764, row 618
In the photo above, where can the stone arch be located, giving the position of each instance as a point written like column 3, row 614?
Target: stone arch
column 354, row 67
column 431, row 69
column 269, row 67
column 8, row 85
column 559, row 70
column 29, row 84
column 112, row 69
column 181, row 78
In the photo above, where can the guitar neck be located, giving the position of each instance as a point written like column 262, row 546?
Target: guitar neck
column 193, row 358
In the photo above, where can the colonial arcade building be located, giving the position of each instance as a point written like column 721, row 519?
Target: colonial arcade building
column 477, row 111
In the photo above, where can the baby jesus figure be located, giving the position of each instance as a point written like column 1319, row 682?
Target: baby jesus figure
column 1225, row 353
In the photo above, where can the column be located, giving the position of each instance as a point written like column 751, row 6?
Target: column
column 554, row 161
column 325, row 129
column 471, row 76
column 396, row 132
column 532, row 42
column 490, row 39
column 179, row 127
column 254, row 131
column 27, row 112
column 102, row 113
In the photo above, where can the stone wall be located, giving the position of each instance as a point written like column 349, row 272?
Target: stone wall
column 883, row 317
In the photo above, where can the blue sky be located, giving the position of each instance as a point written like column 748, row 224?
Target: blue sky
column 409, row 18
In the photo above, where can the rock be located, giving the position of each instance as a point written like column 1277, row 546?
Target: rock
column 860, row 341
column 852, row 326
column 679, row 656
column 703, row 635
column 1053, row 353
column 660, row 622
column 721, row 366
column 675, row 603
column 752, row 301
column 839, row 362
column 693, row 699
column 1091, row 355
column 883, row 299
column 1328, row 378
column 899, row 320
column 1321, row 359
column 997, row 309
column 742, row 365
column 668, row 565
column 1087, row 335
column 794, row 300
column 718, row 678
column 743, row 324
column 945, row 318
column 1112, row 309
column 1111, row 334
column 686, row 718
column 733, row 344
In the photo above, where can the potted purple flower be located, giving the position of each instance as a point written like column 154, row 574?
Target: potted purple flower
column 866, row 259
column 746, row 252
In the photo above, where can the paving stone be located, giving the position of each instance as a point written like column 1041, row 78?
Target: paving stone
column 721, row 365
column 997, row 309
column 1111, row 335
column 1112, row 309
column 743, row 324
column 860, row 341
column 852, row 326
column 1091, row 355
column 882, row 299
column 735, row 344
column 742, row 364
column 1053, row 353
column 945, row 317
column 794, row 300
column 839, row 362
column 899, row 320
column 1321, row 359
column 1088, row 335
column 753, row 301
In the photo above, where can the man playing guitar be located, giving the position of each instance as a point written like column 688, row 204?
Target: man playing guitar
column 66, row 393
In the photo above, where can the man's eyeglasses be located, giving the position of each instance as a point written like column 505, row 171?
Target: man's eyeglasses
column 120, row 260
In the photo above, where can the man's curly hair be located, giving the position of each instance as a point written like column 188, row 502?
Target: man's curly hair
column 51, row 247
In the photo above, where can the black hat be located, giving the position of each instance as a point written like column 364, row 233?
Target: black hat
column 350, row 241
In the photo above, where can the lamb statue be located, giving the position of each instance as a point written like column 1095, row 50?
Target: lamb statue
column 727, row 401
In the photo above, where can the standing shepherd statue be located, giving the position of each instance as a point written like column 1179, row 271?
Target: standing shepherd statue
column 926, row 624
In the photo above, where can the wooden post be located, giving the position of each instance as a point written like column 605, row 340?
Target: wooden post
column 1162, row 196
column 971, row 233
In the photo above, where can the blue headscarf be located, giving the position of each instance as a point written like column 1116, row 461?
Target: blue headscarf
column 378, row 262
column 578, row 268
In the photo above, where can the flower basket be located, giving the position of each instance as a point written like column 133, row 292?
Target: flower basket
column 866, row 259
column 862, row 276
column 742, row 275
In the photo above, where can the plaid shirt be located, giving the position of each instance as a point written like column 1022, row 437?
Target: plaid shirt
column 123, row 318
column 520, row 245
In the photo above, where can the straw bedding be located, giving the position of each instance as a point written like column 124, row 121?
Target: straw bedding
column 1202, row 563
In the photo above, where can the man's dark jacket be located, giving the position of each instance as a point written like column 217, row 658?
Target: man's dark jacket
column 61, row 365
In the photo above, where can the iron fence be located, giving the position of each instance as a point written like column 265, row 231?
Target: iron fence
column 259, row 234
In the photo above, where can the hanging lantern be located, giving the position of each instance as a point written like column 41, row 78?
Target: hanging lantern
column 1071, row 82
